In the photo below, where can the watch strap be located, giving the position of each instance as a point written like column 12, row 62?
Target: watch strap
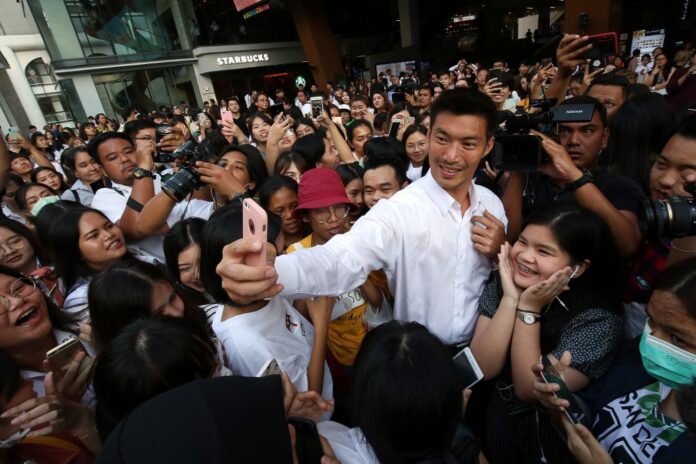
column 528, row 317
column 139, row 173
column 134, row 205
column 586, row 178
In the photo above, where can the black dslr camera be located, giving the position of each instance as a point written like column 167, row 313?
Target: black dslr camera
column 515, row 149
column 673, row 217
column 181, row 184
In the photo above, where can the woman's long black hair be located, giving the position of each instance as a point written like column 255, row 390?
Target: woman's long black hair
column 57, row 226
column 584, row 236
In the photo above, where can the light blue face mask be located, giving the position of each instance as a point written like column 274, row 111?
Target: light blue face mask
column 669, row 364
column 43, row 202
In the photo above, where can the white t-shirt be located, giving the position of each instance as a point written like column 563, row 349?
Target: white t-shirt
column 76, row 303
column 414, row 172
column 276, row 331
column 349, row 445
column 112, row 202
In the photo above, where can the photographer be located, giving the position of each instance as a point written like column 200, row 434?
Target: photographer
column 133, row 185
column 569, row 176
column 239, row 172
column 672, row 174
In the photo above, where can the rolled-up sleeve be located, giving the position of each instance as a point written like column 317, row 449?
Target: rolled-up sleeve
column 343, row 263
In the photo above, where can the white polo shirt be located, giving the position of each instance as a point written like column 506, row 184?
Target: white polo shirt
column 112, row 202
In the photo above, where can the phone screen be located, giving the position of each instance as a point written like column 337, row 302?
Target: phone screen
column 469, row 371
column 394, row 127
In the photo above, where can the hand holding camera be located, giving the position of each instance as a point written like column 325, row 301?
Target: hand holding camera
column 570, row 51
column 178, row 136
column 560, row 165
column 220, row 179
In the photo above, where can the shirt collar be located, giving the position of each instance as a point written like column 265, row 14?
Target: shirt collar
column 444, row 200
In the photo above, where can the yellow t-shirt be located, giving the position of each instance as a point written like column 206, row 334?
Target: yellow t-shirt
column 347, row 327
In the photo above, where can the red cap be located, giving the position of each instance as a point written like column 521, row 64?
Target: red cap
column 321, row 188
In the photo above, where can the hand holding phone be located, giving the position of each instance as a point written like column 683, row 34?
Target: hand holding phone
column 226, row 115
column 550, row 375
column 255, row 227
column 70, row 374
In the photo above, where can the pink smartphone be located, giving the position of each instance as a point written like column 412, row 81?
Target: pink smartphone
column 226, row 115
column 255, row 227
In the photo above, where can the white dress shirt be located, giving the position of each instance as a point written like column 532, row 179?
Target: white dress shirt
column 112, row 202
column 423, row 243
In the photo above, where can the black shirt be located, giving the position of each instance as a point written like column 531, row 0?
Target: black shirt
column 624, row 193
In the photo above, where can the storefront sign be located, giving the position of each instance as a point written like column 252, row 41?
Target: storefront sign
column 300, row 81
column 242, row 59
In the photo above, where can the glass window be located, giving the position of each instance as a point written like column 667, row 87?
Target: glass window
column 48, row 92
column 103, row 28
column 146, row 89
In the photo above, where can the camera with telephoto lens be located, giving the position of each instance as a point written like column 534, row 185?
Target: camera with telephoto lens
column 515, row 149
column 674, row 216
column 181, row 184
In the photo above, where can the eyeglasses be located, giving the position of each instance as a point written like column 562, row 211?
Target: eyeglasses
column 322, row 215
column 416, row 146
column 22, row 287
column 13, row 243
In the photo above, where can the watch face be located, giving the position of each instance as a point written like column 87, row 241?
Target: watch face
column 529, row 319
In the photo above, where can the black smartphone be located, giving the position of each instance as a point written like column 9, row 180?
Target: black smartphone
column 551, row 375
column 308, row 445
column 161, row 130
column 275, row 110
column 394, row 127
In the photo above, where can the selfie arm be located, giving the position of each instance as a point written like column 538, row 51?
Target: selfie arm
column 319, row 310
column 342, row 146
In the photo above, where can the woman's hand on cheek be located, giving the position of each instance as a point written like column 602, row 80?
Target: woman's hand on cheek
column 539, row 295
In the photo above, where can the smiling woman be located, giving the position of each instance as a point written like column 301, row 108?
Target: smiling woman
column 81, row 241
column 555, row 293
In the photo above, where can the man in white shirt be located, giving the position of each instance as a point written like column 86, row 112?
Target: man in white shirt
column 434, row 239
column 302, row 103
column 133, row 185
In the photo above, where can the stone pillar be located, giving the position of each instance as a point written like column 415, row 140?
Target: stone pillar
column 408, row 23
column 317, row 40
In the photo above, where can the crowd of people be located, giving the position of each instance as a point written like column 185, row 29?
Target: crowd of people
column 134, row 329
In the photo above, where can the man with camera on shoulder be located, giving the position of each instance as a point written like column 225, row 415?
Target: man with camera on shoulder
column 570, row 175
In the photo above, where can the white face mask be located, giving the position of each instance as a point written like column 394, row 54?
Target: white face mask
column 15, row 438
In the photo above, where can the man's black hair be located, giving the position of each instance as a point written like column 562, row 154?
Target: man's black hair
column 128, row 110
column 132, row 128
column 443, row 71
column 463, row 101
column 93, row 145
column 613, row 80
column 383, row 151
column 687, row 127
column 585, row 99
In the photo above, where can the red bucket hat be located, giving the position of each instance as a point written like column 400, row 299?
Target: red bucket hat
column 321, row 188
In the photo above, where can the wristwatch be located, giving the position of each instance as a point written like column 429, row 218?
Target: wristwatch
column 140, row 173
column 586, row 178
column 528, row 317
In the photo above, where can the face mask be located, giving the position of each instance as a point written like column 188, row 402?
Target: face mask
column 43, row 202
column 669, row 364
column 15, row 438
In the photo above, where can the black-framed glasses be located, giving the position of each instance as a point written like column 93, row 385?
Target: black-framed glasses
column 22, row 287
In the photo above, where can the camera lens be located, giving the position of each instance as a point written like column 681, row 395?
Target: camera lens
column 672, row 217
